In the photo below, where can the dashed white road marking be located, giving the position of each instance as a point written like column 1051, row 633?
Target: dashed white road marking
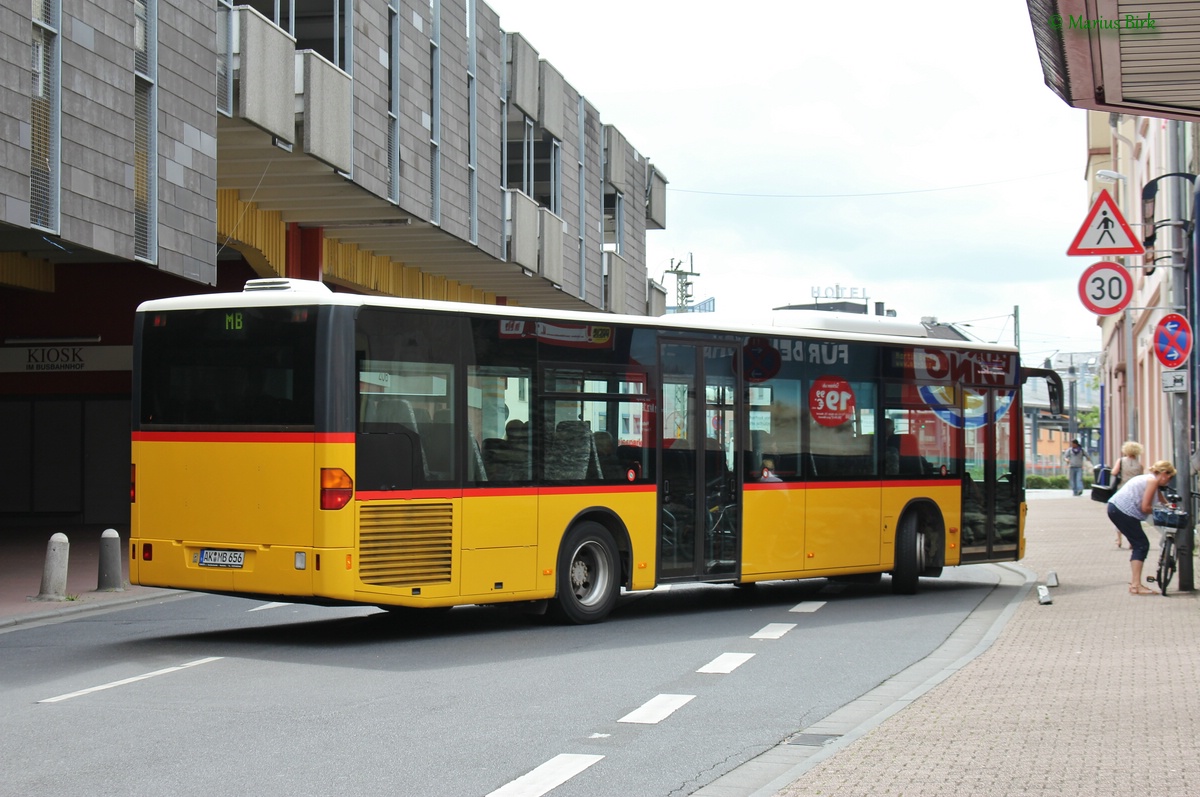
column 657, row 709
column 807, row 606
column 550, row 775
column 726, row 662
column 772, row 630
column 272, row 605
column 134, row 679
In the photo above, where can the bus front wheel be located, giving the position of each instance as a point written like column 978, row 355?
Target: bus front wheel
column 910, row 555
column 588, row 579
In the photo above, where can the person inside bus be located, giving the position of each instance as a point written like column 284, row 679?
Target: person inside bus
column 891, row 448
column 1132, row 504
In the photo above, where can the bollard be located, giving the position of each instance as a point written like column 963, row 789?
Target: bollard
column 111, row 576
column 54, row 573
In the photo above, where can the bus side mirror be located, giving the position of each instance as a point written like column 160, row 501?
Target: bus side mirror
column 1054, row 386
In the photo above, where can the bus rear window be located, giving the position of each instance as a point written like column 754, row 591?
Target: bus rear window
column 252, row 366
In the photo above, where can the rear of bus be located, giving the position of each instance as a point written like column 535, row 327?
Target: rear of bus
column 239, row 451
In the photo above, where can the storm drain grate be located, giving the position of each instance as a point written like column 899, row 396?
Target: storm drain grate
column 813, row 739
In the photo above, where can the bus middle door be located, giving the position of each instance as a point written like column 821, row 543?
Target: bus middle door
column 699, row 516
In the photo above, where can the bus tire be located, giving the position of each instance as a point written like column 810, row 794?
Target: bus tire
column 910, row 555
column 588, row 575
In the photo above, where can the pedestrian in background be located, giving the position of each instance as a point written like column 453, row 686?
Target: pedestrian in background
column 1128, row 466
column 1132, row 504
column 1074, row 458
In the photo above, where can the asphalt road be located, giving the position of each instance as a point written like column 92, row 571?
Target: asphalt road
column 203, row 695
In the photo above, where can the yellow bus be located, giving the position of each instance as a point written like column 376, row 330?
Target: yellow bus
column 297, row 444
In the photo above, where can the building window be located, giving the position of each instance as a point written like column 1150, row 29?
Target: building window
column 435, row 113
column 225, row 57
column 614, row 222
column 393, row 68
column 145, row 143
column 472, row 126
column 45, row 116
column 581, row 148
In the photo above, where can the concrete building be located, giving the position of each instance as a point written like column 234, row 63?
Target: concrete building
column 163, row 147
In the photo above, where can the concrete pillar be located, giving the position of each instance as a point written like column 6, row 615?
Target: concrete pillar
column 111, row 576
column 54, row 573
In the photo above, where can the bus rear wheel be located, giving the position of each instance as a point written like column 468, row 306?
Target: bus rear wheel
column 910, row 555
column 588, row 578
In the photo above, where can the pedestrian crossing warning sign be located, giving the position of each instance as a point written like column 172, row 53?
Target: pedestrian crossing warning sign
column 1104, row 232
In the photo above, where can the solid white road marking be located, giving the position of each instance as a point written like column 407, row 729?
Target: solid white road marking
column 553, row 773
column 807, row 606
column 272, row 605
column 134, row 679
column 657, row 709
column 773, row 630
column 726, row 662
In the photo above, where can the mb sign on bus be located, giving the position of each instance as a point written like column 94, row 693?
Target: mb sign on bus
column 1105, row 288
column 1105, row 232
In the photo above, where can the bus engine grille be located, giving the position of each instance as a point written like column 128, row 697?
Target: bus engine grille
column 405, row 545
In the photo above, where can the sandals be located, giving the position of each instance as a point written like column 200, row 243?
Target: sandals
column 1140, row 589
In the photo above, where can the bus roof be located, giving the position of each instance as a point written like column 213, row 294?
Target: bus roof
column 799, row 323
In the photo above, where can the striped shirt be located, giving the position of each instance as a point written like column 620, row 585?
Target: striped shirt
column 1128, row 499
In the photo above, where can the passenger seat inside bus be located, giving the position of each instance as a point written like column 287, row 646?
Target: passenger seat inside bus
column 571, row 452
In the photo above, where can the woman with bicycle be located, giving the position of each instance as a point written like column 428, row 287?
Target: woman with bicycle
column 1132, row 504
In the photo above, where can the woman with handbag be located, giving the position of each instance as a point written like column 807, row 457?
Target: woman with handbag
column 1128, row 467
column 1132, row 504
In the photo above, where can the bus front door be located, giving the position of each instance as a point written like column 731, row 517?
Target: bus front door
column 992, row 481
column 699, row 517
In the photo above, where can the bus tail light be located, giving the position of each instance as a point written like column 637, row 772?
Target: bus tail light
column 337, row 488
column 147, row 552
column 132, row 483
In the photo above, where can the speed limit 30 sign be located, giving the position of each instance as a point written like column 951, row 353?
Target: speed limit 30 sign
column 1105, row 288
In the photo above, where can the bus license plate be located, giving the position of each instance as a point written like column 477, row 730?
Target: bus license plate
column 211, row 557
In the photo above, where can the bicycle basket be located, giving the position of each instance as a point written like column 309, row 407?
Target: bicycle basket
column 1170, row 518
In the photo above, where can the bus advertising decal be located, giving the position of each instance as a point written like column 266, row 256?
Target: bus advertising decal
column 831, row 401
column 583, row 336
column 974, row 367
column 943, row 400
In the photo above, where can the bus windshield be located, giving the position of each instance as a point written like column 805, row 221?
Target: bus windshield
column 251, row 366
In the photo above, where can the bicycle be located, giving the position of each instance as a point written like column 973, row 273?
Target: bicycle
column 1168, row 520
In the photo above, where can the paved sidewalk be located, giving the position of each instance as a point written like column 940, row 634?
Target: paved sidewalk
column 1097, row 693
column 23, row 562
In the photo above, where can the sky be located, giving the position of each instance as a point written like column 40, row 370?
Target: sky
column 909, row 151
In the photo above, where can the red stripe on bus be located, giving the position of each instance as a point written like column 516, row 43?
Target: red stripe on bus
column 500, row 492
column 244, row 437
column 755, row 486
